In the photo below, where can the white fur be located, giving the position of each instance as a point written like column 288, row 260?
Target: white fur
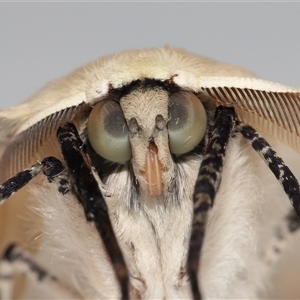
column 230, row 263
column 248, row 204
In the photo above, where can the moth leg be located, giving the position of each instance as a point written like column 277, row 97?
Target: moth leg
column 207, row 184
column 50, row 166
column 283, row 174
column 283, row 231
column 17, row 261
column 86, row 188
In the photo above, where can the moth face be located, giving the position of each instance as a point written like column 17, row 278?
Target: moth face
column 127, row 171
column 148, row 126
column 146, row 114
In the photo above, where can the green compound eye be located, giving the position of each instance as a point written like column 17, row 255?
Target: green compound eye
column 187, row 122
column 108, row 132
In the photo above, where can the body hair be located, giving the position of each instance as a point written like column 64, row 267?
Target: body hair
column 154, row 240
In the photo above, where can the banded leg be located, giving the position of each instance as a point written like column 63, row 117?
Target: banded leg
column 283, row 174
column 207, row 184
column 17, row 261
column 86, row 189
column 50, row 166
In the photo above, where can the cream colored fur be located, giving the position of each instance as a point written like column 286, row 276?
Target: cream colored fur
column 154, row 238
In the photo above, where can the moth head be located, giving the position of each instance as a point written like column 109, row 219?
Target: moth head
column 152, row 116
column 147, row 124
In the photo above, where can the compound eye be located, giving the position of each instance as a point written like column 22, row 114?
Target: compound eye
column 187, row 122
column 108, row 132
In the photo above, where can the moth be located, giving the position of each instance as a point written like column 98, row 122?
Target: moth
column 149, row 174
